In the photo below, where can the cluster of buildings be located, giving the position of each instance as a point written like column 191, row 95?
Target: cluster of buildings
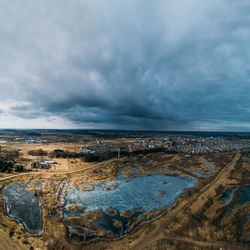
column 99, row 148
column 154, row 143
column 200, row 145
column 180, row 144
column 27, row 140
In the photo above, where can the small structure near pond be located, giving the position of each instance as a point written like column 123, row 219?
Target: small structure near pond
column 43, row 164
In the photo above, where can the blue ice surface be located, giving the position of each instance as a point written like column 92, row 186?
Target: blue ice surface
column 199, row 174
column 247, row 217
column 244, row 195
column 228, row 195
column 210, row 167
column 137, row 192
column 23, row 205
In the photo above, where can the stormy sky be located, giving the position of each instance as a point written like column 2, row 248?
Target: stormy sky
column 125, row 64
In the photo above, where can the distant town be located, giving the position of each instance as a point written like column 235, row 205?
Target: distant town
column 187, row 144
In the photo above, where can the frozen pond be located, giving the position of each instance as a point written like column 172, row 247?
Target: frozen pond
column 244, row 195
column 23, row 205
column 147, row 192
column 210, row 169
column 199, row 174
column 228, row 195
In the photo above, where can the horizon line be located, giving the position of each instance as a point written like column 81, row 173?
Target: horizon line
column 128, row 130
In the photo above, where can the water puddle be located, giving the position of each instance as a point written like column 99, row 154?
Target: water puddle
column 227, row 196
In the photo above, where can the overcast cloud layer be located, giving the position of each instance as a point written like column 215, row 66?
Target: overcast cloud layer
column 134, row 64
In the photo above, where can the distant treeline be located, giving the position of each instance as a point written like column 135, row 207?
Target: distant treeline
column 8, row 161
column 59, row 153
column 9, row 166
column 93, row 157
column 6, row 166
column 101, row 156
column 147, row 151
column 37, row 152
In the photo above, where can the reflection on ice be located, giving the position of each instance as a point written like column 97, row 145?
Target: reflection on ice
column 23, row 205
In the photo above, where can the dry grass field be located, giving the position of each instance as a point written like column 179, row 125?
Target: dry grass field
column 178, row 228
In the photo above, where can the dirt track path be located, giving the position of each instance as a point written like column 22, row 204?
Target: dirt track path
column 219, row 245
column 54, row 173
column 195, row 203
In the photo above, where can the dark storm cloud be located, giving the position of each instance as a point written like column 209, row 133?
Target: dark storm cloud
column 128, row 64
column 27, row 111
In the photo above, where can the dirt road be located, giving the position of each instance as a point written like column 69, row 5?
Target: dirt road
column 31, row 174
column 219, row 245
column 194, row 203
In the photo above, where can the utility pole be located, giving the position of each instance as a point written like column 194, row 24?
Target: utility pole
column 118, row 153
column 118, row 156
